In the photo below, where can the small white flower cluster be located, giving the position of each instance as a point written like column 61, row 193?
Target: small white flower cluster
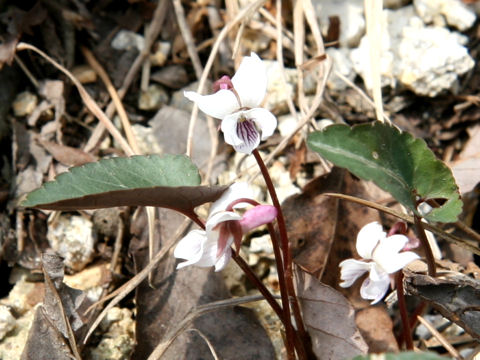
column 236, row 104
column 384, row 257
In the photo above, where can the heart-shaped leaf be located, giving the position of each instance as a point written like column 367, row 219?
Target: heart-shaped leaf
column 170, row 181
column 395, row 161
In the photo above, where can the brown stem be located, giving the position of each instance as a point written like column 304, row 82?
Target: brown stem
column 407, row 332
column 287, row 257
column 432, row 269
column 289, row 330
column 259, row 285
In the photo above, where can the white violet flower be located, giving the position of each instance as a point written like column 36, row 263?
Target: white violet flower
column 236, row 103
column 211, row 247
column 385, row 257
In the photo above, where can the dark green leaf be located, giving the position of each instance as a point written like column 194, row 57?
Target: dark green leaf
column 170, row 181
column 395, row 161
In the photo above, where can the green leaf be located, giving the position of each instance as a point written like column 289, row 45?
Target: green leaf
column 408, row 355
column 169, row 181
column 395, row 161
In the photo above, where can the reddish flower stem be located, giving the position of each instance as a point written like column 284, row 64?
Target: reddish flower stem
column 287, row 257
column 432, row 268
column 407, row 331
column 289, row 330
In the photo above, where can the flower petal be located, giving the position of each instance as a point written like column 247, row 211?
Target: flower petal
column 223, row 260
column 217, row 105
column 240, row 132
column 250, row 81
column 218, row 218
column 229, row 128
column 264, row 119
column 375, row 290
column 368, row 238
column 194, row 248
column 257, row 216
column 248, row 133
column 399, row 261
column 236, row 191
column 351, row 270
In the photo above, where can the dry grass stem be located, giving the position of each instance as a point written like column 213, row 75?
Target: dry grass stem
column 187, row 37
column 451, row 350
column 373, row 15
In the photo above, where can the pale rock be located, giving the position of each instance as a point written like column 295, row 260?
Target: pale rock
column 146, row 140
column 159, row 57
column 73, row 239
column 91, row 280
column 11, row 346
column 350, row 14
column 261, row 244
column 281, row 179
column 424, row 59
column 287, row 124
column 24, row 103
column 153, row 98
column 277, row 92
column 85, row 74
column 128, row 40
column 7, row 321
column 343, row 65
column 454, row 12
column 119, row 338
column 22, row 296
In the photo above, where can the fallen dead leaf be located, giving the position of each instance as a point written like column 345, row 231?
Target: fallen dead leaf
column 330, row 320
column 455, row 296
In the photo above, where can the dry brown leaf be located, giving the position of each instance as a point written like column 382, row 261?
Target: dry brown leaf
column 466, row 167
column 330, row 320
column 67, row 155
column 455, row 296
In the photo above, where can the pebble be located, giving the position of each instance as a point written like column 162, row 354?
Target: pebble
column 424, row 59
column 7, row 321
column 128, row 40
column 85, row 74
column 350, row 14
column 342, row 64
column 160, row 55
column 153, row 98
column 261, row 244
column 24, row 103
column 73, row 239
column 119, row 338
column 452, row 12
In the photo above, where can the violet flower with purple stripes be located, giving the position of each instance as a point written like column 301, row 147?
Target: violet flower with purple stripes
column 236, row 102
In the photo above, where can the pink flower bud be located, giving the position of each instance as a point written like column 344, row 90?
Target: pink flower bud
column 224, row 83
column 257, row 216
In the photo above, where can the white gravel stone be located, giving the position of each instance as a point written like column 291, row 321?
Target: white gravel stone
column 454, row 12
column 261, row 244
column 342, row 64
column 72, row 238
column 24, row 103
column 7, row 321
column 425, row 59
column 128, row 40
column 350, row 14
